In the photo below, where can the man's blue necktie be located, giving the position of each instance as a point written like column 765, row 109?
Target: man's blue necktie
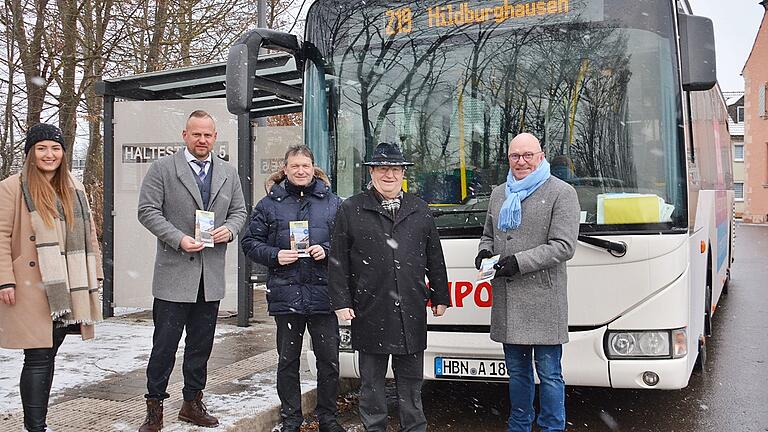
column 201, row 164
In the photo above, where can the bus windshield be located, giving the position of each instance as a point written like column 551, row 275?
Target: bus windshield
column 453, row 82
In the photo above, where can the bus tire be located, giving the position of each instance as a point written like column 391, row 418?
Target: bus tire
column 701, row 357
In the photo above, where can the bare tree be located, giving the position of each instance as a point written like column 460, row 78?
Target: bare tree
column 63, row 47
column 291, row 119
column 158, row 32
column 279, row 13
column 8, row 145
column 66, row 45
column 30, row 48
column 96, row 19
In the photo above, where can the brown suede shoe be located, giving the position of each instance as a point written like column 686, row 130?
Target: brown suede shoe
column 154, row 420
column 195, row 412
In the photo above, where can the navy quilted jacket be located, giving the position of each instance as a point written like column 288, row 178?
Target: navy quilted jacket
column 300, row 287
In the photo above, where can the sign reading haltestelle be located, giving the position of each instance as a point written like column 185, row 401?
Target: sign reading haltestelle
column 150, row 152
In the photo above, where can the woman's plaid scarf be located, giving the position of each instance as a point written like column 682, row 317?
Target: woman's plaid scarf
column 67, row 261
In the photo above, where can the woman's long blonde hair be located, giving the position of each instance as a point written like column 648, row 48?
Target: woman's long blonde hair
column 46, row 193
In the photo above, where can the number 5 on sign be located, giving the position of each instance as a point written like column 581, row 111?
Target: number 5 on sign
column 399, row 21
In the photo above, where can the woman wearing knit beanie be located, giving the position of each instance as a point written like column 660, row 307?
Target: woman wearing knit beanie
column 50, row 265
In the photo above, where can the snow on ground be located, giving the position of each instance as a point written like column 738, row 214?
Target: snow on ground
column 117, row 348
column 260, row 396
column 120, row 311
column 229, row 408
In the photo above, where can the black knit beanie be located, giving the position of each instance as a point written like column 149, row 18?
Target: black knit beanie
column 42, row 132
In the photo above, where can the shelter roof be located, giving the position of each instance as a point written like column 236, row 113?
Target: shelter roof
column 208, row 81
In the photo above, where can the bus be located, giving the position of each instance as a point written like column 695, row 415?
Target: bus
column 624, row 98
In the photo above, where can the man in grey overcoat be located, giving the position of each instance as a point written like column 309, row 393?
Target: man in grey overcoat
column 188, row 280
column 533, row 224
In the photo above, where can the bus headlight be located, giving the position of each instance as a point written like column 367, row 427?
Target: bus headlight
column 622, row 344
column 654, row 343
column 638, row 344
column 345, row 339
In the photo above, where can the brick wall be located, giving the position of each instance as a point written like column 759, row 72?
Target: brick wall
column 756, row 129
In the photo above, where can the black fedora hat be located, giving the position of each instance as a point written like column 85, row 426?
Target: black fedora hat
column 387, row 154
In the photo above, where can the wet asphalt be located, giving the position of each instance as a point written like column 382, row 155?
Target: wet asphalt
column 729, row 394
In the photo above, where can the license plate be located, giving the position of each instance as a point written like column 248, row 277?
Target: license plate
column 470, row 368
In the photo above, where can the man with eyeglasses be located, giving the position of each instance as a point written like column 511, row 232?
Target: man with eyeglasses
column 533, row 223
column 384, row 244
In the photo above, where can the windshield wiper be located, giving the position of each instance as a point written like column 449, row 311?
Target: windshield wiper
column 617, row 249
column 438, row 212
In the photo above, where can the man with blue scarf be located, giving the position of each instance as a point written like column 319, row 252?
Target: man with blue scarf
column 533, row 223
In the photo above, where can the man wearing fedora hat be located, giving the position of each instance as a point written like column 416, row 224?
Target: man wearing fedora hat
column 383, row 246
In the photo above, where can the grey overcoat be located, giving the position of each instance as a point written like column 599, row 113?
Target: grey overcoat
column 167, row 203
column 531, row 307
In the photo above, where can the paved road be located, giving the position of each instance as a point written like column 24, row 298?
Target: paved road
column 731, row 394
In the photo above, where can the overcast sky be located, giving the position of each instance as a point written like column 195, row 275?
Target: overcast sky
column 736, row 23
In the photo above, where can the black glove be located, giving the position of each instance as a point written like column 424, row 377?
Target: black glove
column 483, row 254
column 507, row 266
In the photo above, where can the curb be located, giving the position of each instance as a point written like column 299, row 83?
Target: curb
column 267, row 420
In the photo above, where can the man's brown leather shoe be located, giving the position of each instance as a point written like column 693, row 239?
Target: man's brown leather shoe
column 154, row 420
column 195, row 412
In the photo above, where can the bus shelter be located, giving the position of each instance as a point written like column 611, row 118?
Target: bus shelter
column 143, row 118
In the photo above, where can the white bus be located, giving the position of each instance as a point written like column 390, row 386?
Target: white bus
column 623, row 96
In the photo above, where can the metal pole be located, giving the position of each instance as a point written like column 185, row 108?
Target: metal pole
column 262, row 6
column 245, row 150
column 108, row 232
column 245, row 170
column 261, row 121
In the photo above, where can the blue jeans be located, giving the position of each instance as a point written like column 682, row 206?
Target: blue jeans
column 522, row 387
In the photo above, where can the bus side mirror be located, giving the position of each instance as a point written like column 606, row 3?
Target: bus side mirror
column 241, row 66
column 697, row 53
column 240, row 70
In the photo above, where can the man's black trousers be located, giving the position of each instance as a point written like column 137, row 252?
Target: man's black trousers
column 171, row 319
column 324, row 330
column 409, row 375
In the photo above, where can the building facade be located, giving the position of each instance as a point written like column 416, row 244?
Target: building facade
column 735, row 104
column 755, row 74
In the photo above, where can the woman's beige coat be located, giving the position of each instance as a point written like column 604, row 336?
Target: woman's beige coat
column 27, row 324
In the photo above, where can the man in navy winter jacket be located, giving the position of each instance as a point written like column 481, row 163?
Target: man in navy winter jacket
column 297, row 281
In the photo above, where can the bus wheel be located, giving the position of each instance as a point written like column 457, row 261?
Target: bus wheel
column 727, row 280
column 701, row 358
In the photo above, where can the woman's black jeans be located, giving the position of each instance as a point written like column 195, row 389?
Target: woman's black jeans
column 36, row 379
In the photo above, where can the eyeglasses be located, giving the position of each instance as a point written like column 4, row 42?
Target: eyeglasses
column 514, row 157
column 395, row 169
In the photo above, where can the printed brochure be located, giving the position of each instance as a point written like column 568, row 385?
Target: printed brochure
column 204, row 222
column 300, row 237
column 487, row 271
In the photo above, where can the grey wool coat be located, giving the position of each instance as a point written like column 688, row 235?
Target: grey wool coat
column 531, row 307
column 167, row 202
